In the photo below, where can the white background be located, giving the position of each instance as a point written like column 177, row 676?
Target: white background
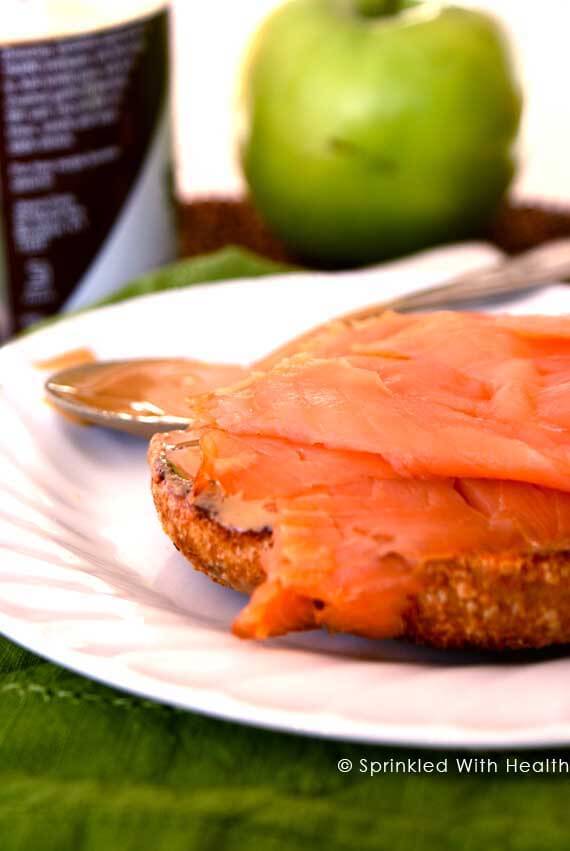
column 210, row 38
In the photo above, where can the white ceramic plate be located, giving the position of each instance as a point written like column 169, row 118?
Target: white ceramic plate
column 88, row 579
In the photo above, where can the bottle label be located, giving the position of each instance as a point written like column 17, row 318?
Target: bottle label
column 80, row 121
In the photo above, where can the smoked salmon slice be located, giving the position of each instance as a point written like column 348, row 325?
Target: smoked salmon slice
column 385, row 445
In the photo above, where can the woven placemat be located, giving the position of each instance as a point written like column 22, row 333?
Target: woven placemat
column 207, row 224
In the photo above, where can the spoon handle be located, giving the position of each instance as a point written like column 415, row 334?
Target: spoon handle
column 539, row 266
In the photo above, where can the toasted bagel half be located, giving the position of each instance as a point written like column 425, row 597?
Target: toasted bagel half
column 486, row 601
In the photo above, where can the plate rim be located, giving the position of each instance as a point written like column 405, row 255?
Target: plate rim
column 283, row 720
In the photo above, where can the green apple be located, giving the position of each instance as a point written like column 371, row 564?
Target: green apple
column 372, row 128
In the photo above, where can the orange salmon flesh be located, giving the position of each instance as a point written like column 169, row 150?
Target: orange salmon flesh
column 386, row 444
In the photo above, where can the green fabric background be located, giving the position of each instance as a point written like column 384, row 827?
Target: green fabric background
column 87, row 768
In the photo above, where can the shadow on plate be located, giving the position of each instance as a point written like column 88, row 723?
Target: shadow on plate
column 212, row 605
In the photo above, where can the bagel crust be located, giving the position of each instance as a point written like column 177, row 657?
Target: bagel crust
column 488, row 601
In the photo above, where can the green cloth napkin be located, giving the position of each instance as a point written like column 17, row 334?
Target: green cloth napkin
column 88, row 768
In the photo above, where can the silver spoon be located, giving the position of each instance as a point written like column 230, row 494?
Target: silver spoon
column 536, row 268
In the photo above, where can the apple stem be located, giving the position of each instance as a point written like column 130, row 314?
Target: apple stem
column 377, row 8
